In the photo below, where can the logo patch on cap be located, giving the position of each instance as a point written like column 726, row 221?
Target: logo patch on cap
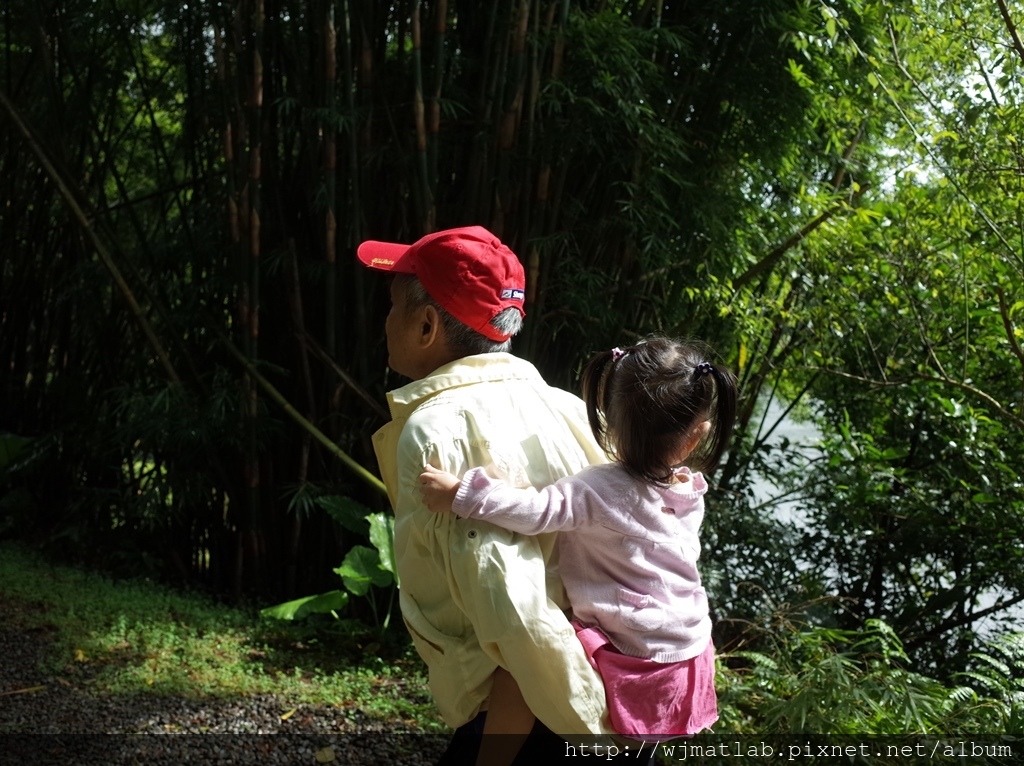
column 382, row 262
column 512, row 294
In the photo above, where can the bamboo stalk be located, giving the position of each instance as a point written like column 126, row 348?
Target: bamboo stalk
column 294, row 290
column 434, row 123
column 517, row 61
column 252, row 456
column 478, row 166
column 425, row 198
column 543, row 183
column 329, row 142
column 9, row 45
column 503, row 71
column 357, row 136
column 226, row 42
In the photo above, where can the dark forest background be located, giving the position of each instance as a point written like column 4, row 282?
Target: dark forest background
column 829, row 192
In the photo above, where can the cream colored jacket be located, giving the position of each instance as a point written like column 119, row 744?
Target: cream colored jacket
column 473, row 595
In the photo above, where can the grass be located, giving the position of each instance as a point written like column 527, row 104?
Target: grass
column 131, row 637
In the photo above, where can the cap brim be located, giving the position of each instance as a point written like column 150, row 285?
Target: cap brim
column 384, row 256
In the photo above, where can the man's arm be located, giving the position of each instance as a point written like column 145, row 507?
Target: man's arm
column 483, row 593
column 499, row 577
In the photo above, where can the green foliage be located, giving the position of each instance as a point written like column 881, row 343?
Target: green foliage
column 135, row 637
column 362, row 570
column 815, row 680
column 888, row 319
column 994, row 686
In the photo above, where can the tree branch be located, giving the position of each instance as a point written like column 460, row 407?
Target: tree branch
column 965, row 619
column 966, row 388
column 1004, row 312
column 769, row 261
column 1011, row 28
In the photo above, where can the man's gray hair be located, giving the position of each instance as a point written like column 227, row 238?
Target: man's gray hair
column 462, row 340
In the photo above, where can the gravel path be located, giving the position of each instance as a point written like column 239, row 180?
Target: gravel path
column 47, row 720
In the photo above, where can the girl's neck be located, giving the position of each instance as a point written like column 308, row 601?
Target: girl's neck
column 680, row 474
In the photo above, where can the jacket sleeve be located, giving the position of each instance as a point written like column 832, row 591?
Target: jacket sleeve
column 566, row 504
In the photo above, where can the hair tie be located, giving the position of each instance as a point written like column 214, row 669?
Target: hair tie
column 704, row 368
column 617, row 354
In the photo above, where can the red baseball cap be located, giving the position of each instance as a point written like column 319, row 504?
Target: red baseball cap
column 468, row 271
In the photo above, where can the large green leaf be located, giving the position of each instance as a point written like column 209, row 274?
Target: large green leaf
column 361, row 569
column 347, row 512
column 382, row 535
column 326, row 603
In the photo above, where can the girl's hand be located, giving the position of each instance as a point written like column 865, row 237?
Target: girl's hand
column 438, row 488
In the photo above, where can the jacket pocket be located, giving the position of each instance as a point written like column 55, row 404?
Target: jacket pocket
column 640, row 611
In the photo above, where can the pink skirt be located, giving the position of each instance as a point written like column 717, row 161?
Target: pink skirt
column 653, row 700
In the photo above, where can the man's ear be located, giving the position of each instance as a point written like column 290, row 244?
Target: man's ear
column 430, row 327
column 432, row 343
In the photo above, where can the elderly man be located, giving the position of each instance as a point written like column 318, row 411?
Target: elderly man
column 475, row 597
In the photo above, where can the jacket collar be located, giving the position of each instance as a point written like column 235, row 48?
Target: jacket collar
column 480, row 368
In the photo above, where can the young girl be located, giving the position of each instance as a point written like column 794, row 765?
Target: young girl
column 629, row 544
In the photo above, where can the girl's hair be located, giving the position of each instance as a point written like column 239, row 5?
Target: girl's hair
column 644, row 400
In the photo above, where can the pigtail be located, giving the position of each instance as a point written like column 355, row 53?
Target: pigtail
column 722, row 412
column 596, row 395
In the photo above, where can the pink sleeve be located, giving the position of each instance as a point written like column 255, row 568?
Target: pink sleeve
column 565, row 504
